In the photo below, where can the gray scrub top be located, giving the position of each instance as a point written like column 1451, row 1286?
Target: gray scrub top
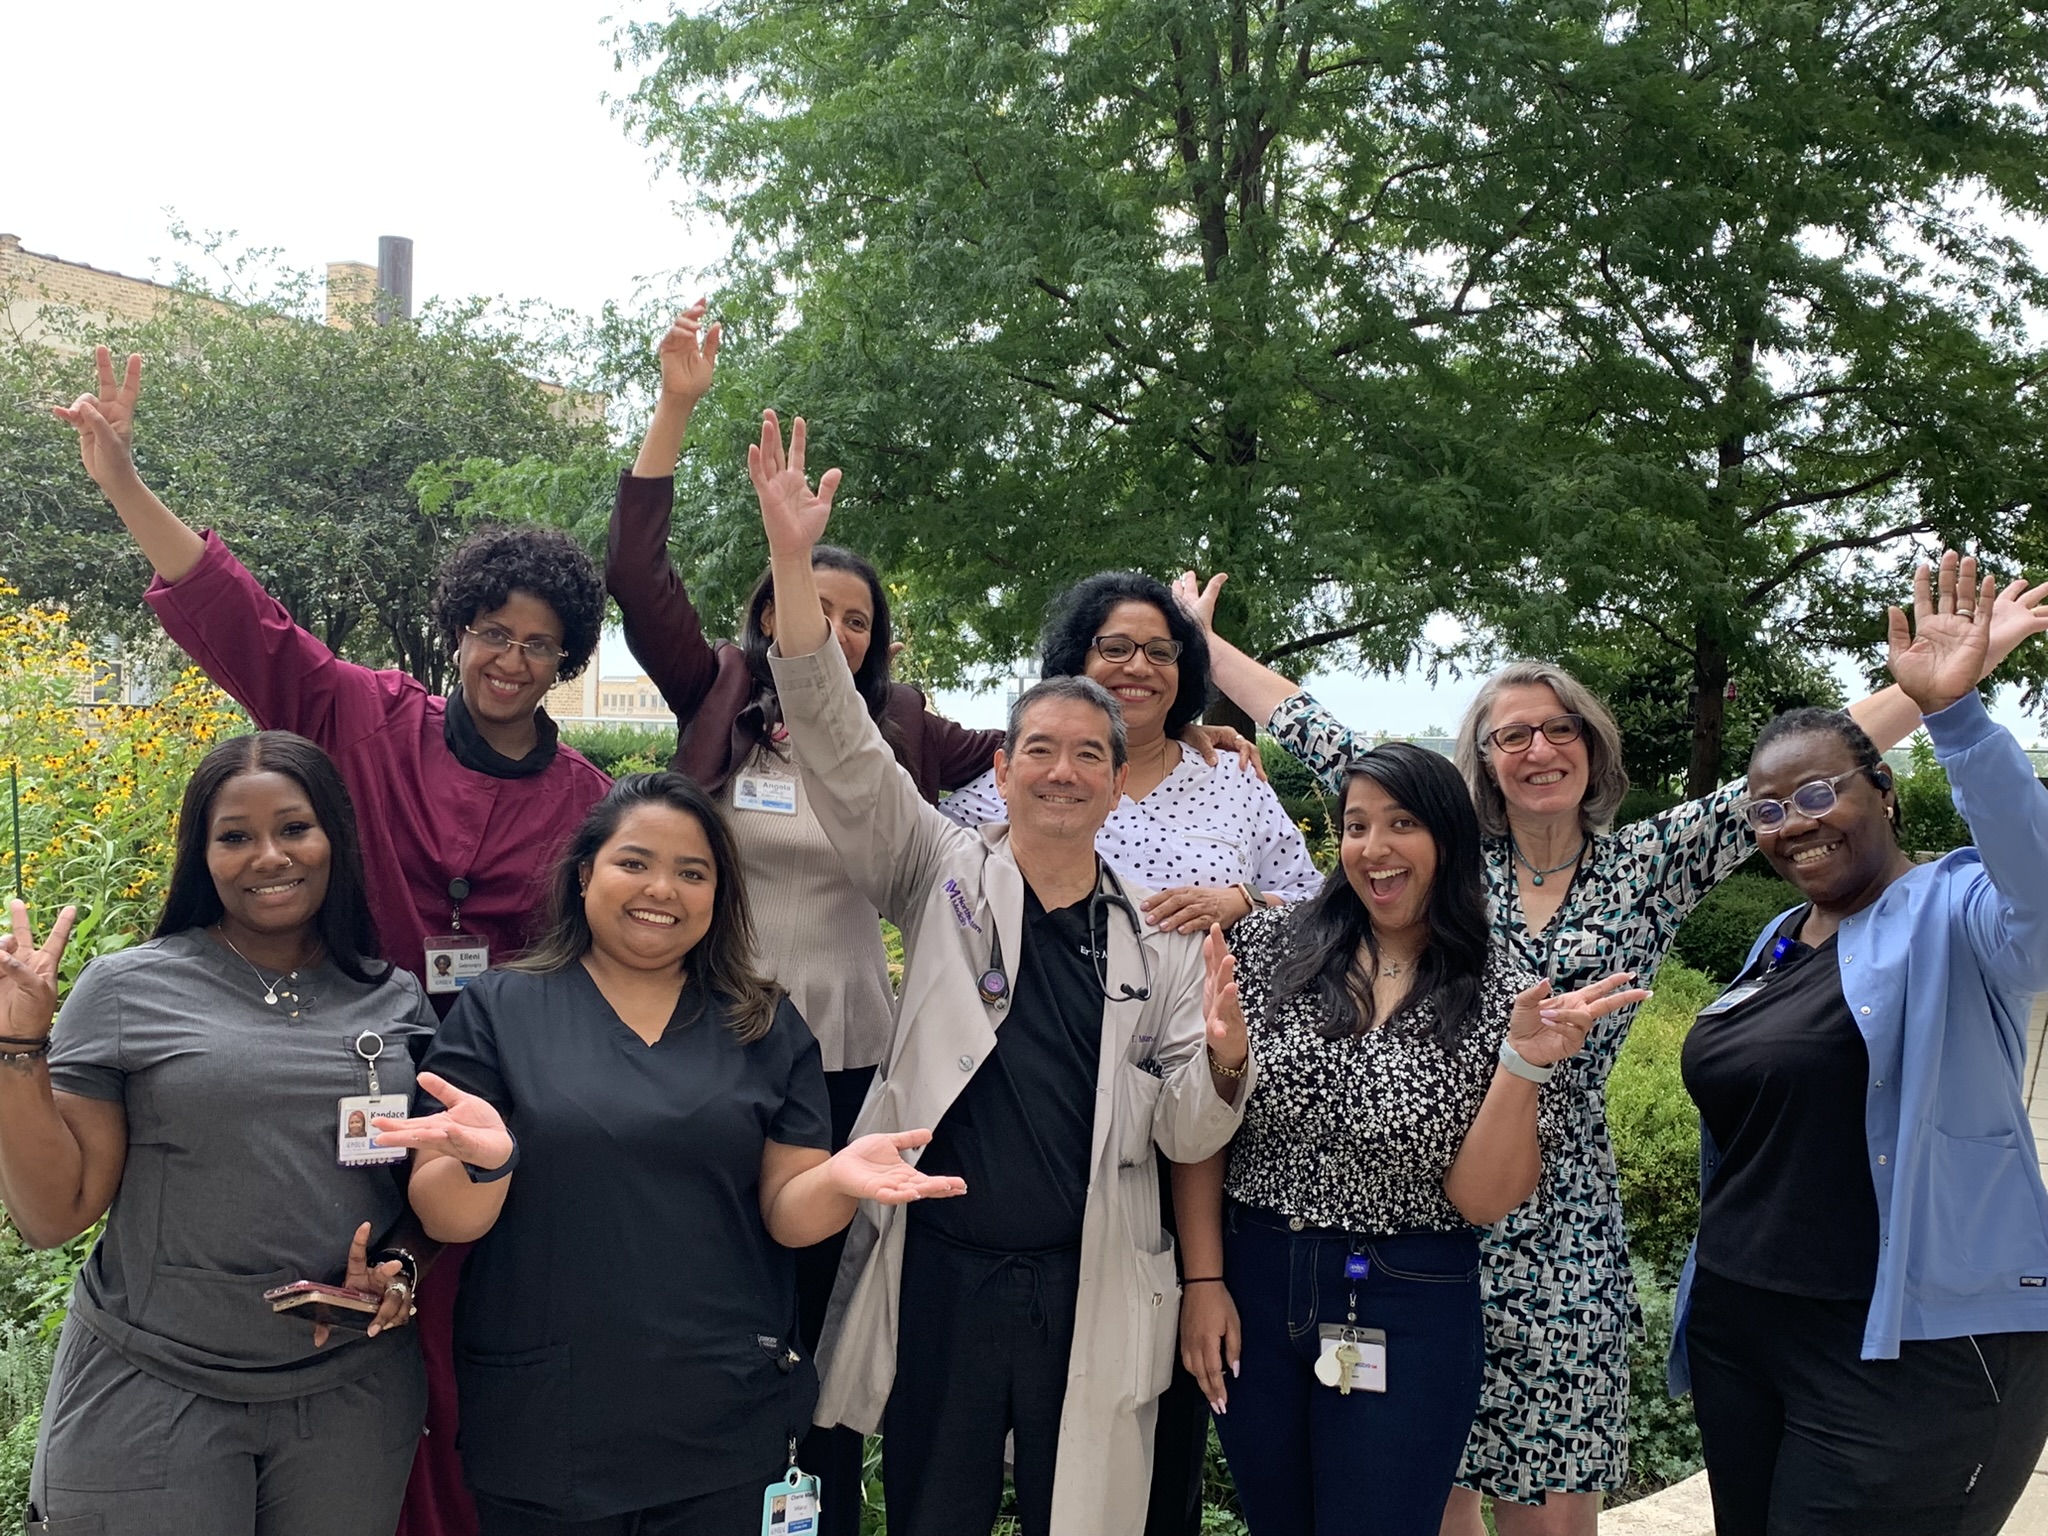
column 232, row 1183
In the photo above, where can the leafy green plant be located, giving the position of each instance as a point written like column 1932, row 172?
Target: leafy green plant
column 1928, row 819
column 622, row 749
column 1716, row 937
column 1663, row 1439
column 1653, row 1124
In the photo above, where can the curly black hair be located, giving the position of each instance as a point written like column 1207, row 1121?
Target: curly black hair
column 491, row 564
column 1077, row 614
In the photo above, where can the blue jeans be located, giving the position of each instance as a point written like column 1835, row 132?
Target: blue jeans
column 1309, row 1459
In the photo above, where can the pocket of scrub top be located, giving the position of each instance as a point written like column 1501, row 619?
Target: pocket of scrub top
column 512, row 1436
column 1986, row 1218
column 224, row 1314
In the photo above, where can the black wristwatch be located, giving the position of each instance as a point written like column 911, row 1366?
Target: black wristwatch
column 408, row 1265
column 492, row 1175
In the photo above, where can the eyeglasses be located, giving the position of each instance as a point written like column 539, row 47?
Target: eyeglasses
column 1557, row 730
column 1120, row 648
column 1812, row 801
column 542, row 652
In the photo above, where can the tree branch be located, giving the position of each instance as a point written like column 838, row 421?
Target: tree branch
column 1806, row 557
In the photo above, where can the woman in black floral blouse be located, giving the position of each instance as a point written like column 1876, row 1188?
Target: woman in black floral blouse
column 1397, row 1108
column 1571, row 899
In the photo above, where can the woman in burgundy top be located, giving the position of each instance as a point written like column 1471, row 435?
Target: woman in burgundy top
column 462, row 801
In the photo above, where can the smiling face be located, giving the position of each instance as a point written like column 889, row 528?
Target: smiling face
column 505, row 690
column 269, row 859
column 1841, row 860
column 1063, row 783
column 1549, row 779
column 849, row 609
column 1145, row 689
column 1390, row 858
column 648, row 893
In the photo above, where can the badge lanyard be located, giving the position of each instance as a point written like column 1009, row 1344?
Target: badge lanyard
column 789, row 1505
column 355, row 1137
column 1352, row 1359
column 455, row 958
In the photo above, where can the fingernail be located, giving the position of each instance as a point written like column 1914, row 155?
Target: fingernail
column 1548, row 1015
column 1233, row 1367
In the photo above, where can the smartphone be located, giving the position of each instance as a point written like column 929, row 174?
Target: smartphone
column 335, row 1305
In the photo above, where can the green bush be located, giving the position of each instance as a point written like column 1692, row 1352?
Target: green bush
column 1302, row 797
column 1654, row 1125
column 1715, row 939
column 1928, row 819
column 1663, row 1440
column 623, row 748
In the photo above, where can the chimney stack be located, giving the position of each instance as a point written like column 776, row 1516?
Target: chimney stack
column 394, row 278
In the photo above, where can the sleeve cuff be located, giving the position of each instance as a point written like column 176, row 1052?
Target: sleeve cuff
column 1961, row 726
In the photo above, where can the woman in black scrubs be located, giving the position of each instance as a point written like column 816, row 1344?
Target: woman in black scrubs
column 625, row 1339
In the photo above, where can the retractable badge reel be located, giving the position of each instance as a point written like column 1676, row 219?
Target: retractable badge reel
column 355, row 1135
column 455, row 958
column 789, row 1505
column 1352, row 1359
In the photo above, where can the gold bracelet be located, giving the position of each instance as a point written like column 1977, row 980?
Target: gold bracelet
column 1221, row 1070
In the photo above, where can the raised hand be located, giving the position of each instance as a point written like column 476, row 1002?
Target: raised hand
column 1200, row 600
column 872, row 1168
column 28, row 975
column 381, row 1280
column 689, row 354
column 468, row 1127
column 2019, row 613
column 1940, row 656
column 1221, row 1009
column 792, row 514
column 106, row 422
column 1545, row 1029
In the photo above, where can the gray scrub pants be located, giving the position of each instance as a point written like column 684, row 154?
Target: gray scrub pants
column 123, row 1453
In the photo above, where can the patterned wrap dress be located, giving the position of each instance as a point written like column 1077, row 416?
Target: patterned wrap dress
column 1560, row 1298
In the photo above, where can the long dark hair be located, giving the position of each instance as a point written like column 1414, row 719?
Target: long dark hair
column 870, row 678
column 1322, row 956
column 1077, row 615
column 722, row 963
column 343, row 924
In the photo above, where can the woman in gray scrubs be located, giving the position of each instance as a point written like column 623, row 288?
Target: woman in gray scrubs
column 198, row 1092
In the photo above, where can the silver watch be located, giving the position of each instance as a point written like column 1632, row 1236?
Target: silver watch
column 1512, row 1060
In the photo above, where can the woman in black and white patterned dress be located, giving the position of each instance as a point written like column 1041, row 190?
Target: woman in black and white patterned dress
column 1571, row 899
column 1401, row 1058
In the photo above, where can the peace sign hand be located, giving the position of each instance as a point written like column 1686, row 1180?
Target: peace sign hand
column 1544, row 1030
column 687, row 362
column 1940, row 657
column 28, row 975
column 872, row 1168
column 792, row 514
column 106, row 422
column 468, row 1127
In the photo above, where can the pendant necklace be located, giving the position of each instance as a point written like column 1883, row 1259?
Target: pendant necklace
column 271, row 989
column 1536, row 875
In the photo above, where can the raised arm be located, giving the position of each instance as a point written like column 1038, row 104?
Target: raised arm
column 662, row 628
column 888, row 839
column 61, row 1154
column 106, row 444
column 1256, row 689
column 2008, row 618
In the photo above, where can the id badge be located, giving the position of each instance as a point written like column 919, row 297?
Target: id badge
column 789, row 1505
column 758, row 789
column 1352, row 1359
column 454, row 960
column 353, row 1131
column 1733, row 998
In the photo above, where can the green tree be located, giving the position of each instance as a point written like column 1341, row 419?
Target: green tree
column 299, row 442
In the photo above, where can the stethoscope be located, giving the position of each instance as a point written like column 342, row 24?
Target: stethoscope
column 994, row 985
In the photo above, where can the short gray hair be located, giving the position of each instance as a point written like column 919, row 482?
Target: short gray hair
column 1084, row 689
column 1606, row 779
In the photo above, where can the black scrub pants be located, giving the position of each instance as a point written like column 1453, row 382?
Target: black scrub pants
column 981, row 1354
column 834, row 1455
column 1803, row 1437
column 729, row 1512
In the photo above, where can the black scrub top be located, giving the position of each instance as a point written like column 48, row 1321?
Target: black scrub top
column 625, row 1334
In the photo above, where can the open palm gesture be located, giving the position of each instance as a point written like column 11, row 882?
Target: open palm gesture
column 792, row 514
column 28, row 975
column 468, row 1127
column 1222, row 1009
column 689, row 354
column 106, row 422
column 872, row 1168
column 1940, row 656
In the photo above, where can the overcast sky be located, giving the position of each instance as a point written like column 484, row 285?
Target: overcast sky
column 482, row 131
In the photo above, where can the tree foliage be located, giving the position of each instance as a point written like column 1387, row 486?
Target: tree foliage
column 298, row 442
column 1669, row 328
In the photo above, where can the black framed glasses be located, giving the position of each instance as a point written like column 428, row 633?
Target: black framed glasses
column 1812, row 800
column 495, row 640
column 1121, row 648
column 1519, row 737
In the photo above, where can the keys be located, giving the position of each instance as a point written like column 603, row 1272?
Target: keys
column 1347, row 1356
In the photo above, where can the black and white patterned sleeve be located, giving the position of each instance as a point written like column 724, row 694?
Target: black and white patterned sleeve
column 1315, row 738
column 1681, row 854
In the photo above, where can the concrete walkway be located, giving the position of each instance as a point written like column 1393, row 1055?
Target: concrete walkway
column 1683, row 1508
